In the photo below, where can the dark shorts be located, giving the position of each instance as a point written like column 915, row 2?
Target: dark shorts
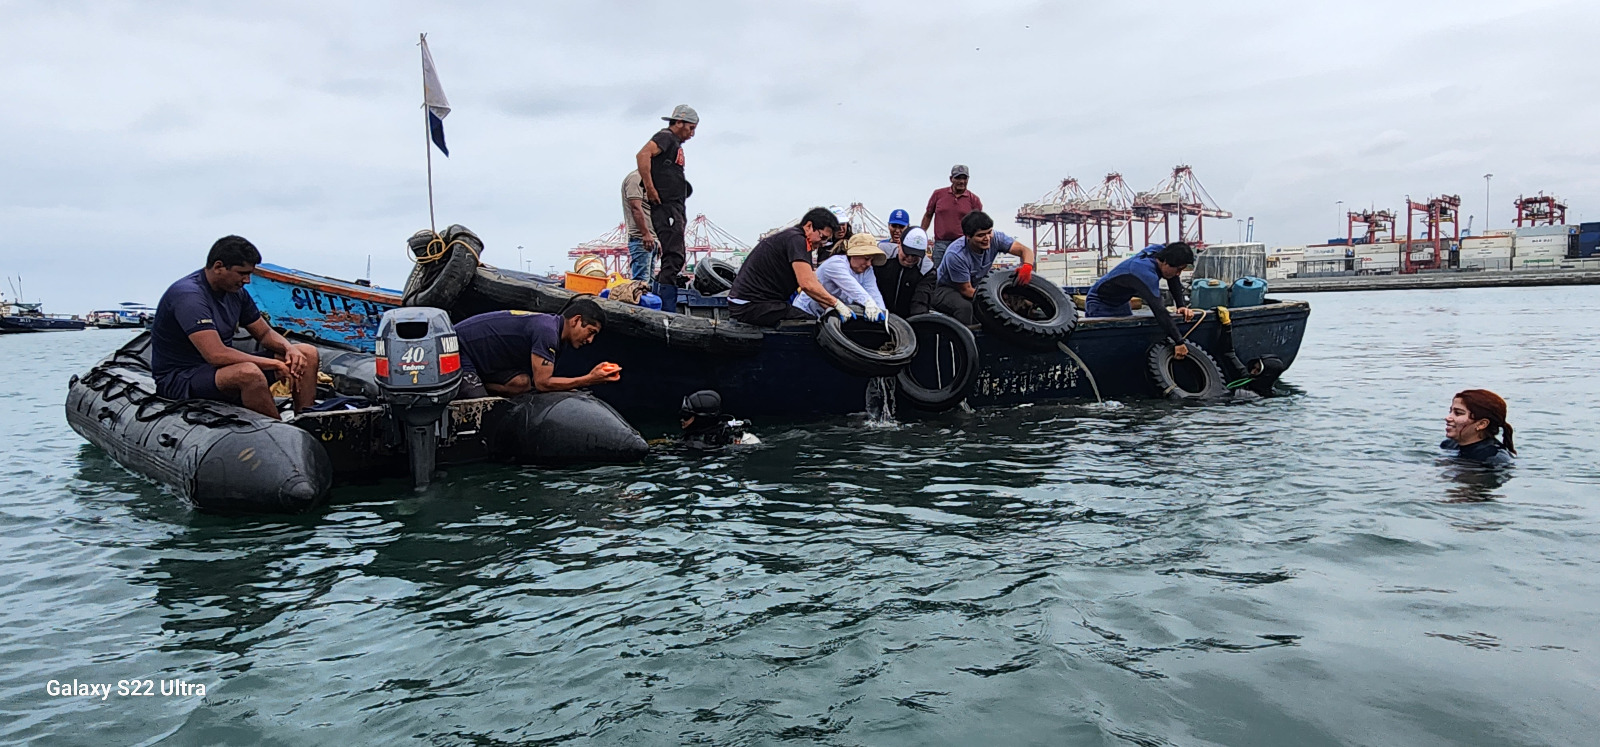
column 200, row 382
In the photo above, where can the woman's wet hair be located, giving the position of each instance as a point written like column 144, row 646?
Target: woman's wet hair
column 1483, row 404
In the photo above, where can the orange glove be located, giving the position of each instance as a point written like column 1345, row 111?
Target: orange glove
column 1025, row 274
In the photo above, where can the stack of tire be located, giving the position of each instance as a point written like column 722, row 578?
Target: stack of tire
column 446, row 265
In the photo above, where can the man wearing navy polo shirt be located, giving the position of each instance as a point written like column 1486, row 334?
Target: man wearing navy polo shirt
column 191, row 340
column 967, row 262
column 507, row 353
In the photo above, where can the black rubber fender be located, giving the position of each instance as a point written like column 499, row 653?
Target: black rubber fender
column 495, row 289
column 713, row 276
column 440, row 282
column 898, row 347
column 563, row 429
column 936, row 334
column 1058, row 316
column 219, row 457
column 1196, row 377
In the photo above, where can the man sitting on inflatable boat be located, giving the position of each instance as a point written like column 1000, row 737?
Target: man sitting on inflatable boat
column 507, row 353
column 1141, row 275
column 191, row 340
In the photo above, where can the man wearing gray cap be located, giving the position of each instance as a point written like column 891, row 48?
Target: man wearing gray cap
column 946, row 208
column 660, row 164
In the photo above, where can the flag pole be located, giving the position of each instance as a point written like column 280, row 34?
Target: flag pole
column 427, row 130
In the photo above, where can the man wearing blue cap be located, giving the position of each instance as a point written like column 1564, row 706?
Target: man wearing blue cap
column 899, row 221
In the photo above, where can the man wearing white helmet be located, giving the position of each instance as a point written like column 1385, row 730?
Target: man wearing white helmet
column 906, row 281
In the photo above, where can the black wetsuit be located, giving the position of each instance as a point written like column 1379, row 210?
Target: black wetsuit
column 713, row 432
column 1488, row 452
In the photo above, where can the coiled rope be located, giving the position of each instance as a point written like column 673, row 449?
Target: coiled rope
column 437, row 249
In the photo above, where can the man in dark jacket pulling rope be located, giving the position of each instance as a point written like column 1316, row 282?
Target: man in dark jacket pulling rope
column 1141, row 275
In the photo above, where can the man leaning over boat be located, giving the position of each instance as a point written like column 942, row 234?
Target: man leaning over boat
column 968, row 260
column 778, row 265
column 191, row 341
column 1141, row 276
column 507, row 353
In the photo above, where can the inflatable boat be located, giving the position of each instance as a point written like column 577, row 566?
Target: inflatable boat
column 225, row 458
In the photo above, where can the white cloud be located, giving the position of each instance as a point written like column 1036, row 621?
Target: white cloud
column 137, row 133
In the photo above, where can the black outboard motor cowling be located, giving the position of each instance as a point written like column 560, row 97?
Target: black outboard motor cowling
column 419, row 371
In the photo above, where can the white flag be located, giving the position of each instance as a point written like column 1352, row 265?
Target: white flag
column 433, row 98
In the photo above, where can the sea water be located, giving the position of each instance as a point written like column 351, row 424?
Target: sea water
column 1301, row 570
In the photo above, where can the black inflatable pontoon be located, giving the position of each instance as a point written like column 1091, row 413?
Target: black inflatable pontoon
column 219, row 457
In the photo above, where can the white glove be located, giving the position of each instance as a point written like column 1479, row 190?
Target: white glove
column 874, row 314
column 845, row 314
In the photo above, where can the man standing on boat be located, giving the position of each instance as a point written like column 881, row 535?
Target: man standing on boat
column 967, row 262
column 660, row 164
column 507, row 353
column 642, row 243
column 946, row 207
column 906, row 280
column 778, row 265
column 191, row 340
column 1141, row 275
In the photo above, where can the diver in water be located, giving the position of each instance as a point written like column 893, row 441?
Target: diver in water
column 705, row 427
column 1476, row 416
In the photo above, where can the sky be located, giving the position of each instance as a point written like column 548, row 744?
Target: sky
column 136, row 134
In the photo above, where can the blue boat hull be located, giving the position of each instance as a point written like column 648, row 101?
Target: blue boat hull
column 323, row 309
column 789, row 377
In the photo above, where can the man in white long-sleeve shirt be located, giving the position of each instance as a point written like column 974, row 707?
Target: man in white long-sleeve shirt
column 848, row 277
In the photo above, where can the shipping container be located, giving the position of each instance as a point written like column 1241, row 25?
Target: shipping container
column 1485, row 264
column 1486, row 252
column 1541, row 251
column 1545, row 230
column 1538, row 263
column 1323, row 253
column 1486, row 243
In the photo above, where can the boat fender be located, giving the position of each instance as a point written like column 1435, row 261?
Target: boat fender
column 562, row 429
column 1049, row 316
column 1196, row 377
column 713, row 276
column 862, row 348
column 445, row 266
column 948, row 351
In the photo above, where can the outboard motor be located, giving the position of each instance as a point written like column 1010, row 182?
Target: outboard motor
column 419, row 371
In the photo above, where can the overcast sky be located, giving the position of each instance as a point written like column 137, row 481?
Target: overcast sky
column 135, row 134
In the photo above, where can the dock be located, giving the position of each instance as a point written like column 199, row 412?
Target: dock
column 1425, row 280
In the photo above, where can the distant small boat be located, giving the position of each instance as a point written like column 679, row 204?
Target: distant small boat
column 16, row 316
column 130, row 315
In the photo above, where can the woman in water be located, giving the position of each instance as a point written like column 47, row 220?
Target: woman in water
column 1476, row 416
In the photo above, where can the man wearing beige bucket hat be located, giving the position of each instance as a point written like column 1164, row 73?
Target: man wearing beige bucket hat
column 848, row 277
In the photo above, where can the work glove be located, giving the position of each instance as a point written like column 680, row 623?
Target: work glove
column 874, row 314
column 1024, row 274
column 845, row 314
